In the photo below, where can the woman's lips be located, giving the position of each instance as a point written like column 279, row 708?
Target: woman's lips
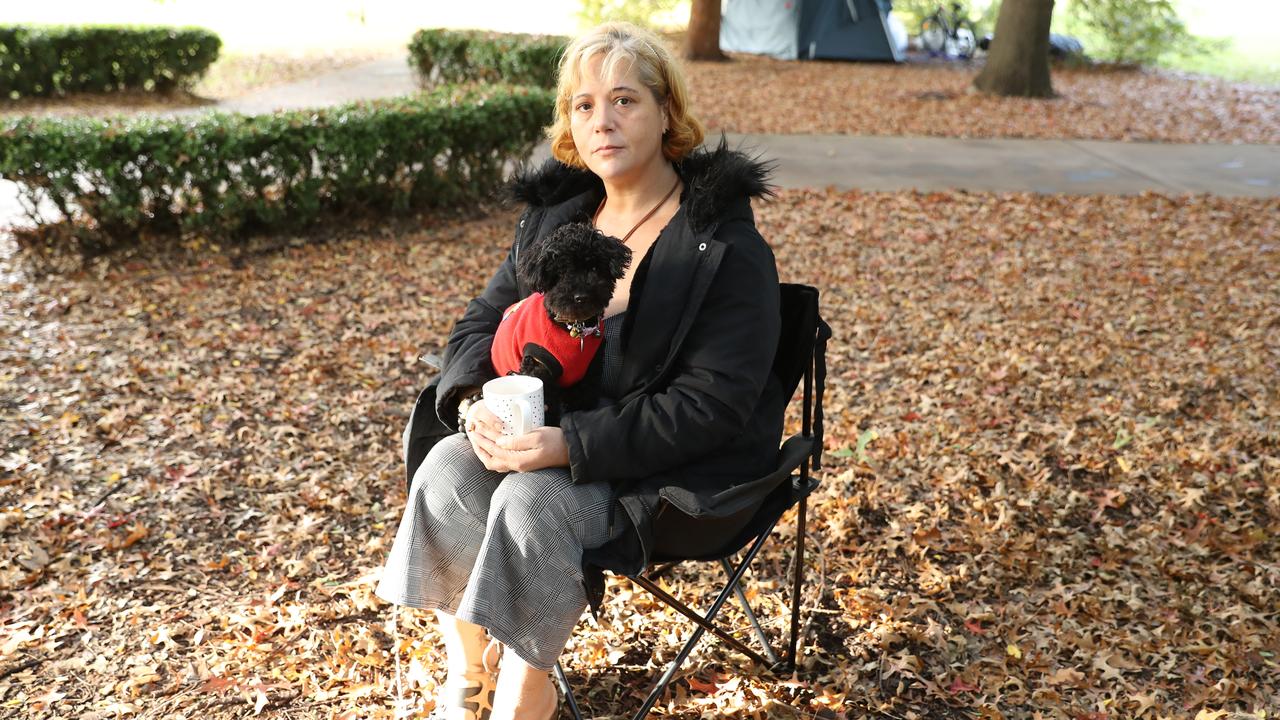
column 608, row 150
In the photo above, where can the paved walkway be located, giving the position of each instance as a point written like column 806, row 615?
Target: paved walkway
column 880, row 163
column 380, row 78
column 1078, row 167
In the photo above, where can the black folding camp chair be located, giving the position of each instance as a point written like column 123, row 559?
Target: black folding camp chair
column 801, row 355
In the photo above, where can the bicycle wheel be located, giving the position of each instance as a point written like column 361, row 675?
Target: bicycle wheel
column 933, row 34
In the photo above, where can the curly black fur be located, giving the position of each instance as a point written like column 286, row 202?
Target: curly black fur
column 576, row 267
column 716, row 178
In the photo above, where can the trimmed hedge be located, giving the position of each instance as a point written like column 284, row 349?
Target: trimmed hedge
column 224, row 175
column 454, row 56
column 53, row 60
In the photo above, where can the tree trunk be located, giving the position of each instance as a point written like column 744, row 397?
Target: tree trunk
column 1018, row 63
column 702, row 40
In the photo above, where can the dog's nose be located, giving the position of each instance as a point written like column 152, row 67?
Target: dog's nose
column 579, row 298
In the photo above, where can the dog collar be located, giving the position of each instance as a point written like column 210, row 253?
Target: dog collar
column 582, row 329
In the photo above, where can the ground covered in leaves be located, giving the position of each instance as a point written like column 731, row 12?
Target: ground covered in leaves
column 755, row 94
column 1052, row 484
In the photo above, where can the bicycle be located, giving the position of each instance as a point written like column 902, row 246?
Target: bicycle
column 946, row 35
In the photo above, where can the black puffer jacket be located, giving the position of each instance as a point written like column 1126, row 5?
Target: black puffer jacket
column 701, row 413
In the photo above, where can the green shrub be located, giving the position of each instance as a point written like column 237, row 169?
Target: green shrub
column 1136, row 32
column 53, row 60
column 456, row 56
column 655, row 14
column 225, row 175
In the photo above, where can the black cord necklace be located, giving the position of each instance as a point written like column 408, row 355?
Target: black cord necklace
column 635, row 227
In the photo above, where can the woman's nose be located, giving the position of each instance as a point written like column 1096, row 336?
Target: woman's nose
column 604, row 118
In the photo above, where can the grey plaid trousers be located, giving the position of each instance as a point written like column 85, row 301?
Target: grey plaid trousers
column 499, row 550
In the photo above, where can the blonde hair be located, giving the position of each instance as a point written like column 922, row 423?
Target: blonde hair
column 657, row 70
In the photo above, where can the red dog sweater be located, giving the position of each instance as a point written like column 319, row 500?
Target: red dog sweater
column 527, row 322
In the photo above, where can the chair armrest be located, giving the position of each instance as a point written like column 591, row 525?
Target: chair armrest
column 793, row 452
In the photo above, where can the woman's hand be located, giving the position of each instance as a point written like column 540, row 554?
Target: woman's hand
column 544, row 447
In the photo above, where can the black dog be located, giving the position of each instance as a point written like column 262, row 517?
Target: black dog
column 554, row 333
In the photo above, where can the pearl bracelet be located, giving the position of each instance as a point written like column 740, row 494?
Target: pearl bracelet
column 463, row 408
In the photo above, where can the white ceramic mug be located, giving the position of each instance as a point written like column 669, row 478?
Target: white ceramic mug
column 517, row 400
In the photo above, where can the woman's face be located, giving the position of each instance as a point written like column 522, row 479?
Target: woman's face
column 617, row 126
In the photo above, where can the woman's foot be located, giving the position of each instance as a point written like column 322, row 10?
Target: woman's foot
column 473, row 656
column 525, row 693
column 469, row 695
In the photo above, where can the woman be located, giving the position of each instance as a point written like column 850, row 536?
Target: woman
column 498, row 530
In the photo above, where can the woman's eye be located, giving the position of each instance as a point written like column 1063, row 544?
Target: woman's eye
column 624, row 99
column 582, row 106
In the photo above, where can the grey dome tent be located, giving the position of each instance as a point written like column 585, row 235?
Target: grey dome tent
column 810, row 29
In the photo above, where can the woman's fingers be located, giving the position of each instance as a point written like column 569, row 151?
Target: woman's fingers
column 484, row 417
column 482, row 443
column 478, row 448
column 498, row 452
column 534, row 450
column 480, row 416
column 480, row 434
column 489, row 432
column 490, row 453
column 520, row 443
column 491, row 462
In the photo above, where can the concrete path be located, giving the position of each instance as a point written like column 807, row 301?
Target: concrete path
column 1043, row 166
column 380, row 78
column 877, row 163
column 1075, row 167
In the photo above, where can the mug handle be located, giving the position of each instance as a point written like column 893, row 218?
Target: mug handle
column 526, row 415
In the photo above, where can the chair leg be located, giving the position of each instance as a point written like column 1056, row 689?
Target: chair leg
column 697, row 634
column 799, row 576
column 667, row 676
column 751, row 616
column 700, row 621
column 563, row 681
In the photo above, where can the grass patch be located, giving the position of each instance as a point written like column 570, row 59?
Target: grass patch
column 1248, row 60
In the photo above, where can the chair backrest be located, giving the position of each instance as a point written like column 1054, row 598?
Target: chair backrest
column 799, row 310
column 801, row 356
column 802, row 348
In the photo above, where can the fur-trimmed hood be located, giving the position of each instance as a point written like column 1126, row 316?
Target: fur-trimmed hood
column 716, row 180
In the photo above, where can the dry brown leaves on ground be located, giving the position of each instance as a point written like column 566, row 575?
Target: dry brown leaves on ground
column 1053, row 480
column 761, row 95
